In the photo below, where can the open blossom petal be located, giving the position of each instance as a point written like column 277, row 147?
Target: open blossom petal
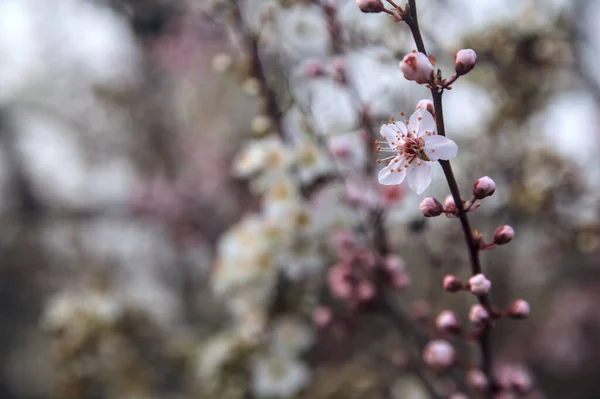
column 421, row 122
column 440, row 147
column 388, row 177
column 392, row 132
column 419, row 176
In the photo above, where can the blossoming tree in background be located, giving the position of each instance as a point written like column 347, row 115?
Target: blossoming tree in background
column 287, row 239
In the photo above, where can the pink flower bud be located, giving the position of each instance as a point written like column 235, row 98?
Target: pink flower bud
column 477, row 379
column 483, row 187
column 417, row 66
column 396, row 268
column 519, row 309
column 515, row 377
column 345, row 241
column 313, row 69
column 400, row 280
column 322, row 316
column 366, row 291
column 438, row 354
column 450, row 205
column 394, row 263
column 478, row 314
column 421, row 310
column 452, row 283
column 447, row 321
column 428, row 105
column 339, row 284
column 504, row 235
column 479, row 284
column 370, row 6
column 431, row 207
column 521, row 381
column 464, row 61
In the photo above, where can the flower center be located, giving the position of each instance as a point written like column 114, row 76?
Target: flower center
column 412, row 146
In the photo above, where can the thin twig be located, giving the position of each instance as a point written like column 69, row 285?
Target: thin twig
column 472, row 244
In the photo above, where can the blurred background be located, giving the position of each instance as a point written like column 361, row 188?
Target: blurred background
column 180, row 181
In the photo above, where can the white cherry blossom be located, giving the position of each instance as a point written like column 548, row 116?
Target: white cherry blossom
column 414, row 146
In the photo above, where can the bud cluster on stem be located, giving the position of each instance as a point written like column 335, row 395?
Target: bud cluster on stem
column 418, row 66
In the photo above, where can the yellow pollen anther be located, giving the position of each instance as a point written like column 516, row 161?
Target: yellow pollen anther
column 420, row 118
column 379, row 161
column 401, row 113
column 391, row 170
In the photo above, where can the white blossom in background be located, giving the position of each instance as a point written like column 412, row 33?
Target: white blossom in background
column 278, row 376
column 302, row 259
column 84, row 47
column 373, row 71
column 265, row 154
column 245, row 255
column 333, row 109
column 61, row 64
column 349, row 151
column 63, row 308
column 215, row 352
column 291, row 336
column 414, row 145
column 302, row 32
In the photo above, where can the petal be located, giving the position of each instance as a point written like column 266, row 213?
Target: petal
column 419, row 176
column 402, row 128
column 426, row 123
column 392, row 131
column 440, row 147
column 389, row 178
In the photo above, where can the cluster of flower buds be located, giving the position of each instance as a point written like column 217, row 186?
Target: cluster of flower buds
column 431, row 207
column 352, row 279
column 419, row 67
column 483, row 187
